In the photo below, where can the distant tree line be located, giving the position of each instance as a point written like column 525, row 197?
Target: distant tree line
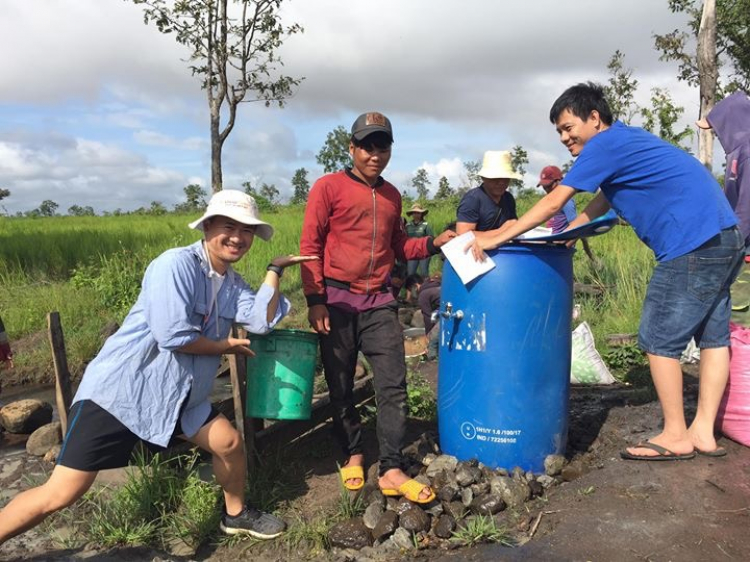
column 267, row 197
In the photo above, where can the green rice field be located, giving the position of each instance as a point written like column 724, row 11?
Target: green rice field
column 89, row 269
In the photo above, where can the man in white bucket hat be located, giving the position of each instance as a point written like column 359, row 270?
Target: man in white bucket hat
column 152, row 379
column 489, row 206
column 237, row 206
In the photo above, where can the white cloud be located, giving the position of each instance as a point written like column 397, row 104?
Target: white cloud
column 77, row 46
column 98, row 108
column 448, row 168
column 155, row 138
column 18, row 162
column 83, row 172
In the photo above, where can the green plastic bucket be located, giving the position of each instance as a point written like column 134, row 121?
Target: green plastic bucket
column 280, row 376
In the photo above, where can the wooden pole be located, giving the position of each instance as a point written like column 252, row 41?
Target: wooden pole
column 63, row 391
column 708, row 73
column 238, row 378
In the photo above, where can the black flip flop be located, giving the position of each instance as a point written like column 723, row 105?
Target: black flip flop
column 717, row 452
column 664, row 454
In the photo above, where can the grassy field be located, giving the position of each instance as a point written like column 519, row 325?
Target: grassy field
column 89, row 269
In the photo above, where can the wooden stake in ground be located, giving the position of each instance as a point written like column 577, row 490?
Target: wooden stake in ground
column 238, row 378
column 63, row 390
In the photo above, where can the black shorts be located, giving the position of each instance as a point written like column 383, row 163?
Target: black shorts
column 96, row 440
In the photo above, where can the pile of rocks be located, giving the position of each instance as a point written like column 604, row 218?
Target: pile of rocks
column 33, row 418
column 465, row 490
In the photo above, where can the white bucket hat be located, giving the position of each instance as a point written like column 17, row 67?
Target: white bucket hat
column 237, row 206
column 497, row 164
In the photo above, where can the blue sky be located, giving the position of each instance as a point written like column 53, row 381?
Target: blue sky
column 98, row 109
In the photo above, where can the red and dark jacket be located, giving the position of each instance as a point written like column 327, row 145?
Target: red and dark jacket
column 357, row 232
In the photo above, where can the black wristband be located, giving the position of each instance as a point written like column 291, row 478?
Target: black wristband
column 431, row 248
column 276, row 269
column 313, row 300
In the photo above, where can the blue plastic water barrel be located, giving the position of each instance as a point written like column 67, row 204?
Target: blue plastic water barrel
column 504, row 364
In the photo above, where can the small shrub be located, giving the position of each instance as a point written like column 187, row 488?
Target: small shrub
column 197, row 515
column 308, row 535
column 420, row 398
column 118, row 519
column 624, row 358
column 133, row 513
column 481, row 529
column 159, row 501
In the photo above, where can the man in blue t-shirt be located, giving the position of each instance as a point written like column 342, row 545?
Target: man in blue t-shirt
column 489, row 206
column 678, row 210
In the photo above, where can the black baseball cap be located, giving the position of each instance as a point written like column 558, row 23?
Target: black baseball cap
column 372, row 122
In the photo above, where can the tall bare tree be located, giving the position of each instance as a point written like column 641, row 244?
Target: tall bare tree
column 233, row 49
column 708, row 73
column 723, row 42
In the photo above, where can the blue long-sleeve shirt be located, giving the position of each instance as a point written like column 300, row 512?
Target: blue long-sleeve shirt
column 140, row 376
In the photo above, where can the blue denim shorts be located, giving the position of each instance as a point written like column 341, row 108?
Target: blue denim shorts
column 688, row 297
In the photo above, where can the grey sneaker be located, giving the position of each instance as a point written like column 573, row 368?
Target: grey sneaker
column 252, row 522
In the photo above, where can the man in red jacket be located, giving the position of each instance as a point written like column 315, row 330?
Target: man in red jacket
column 353, row 223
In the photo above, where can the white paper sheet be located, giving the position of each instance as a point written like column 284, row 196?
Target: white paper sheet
column 464, row 263
column 537, row 232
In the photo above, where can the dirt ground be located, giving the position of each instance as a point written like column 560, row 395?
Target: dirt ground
column 611, row 510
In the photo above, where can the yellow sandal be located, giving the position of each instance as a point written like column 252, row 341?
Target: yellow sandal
column 410, row 490
column 351, row 472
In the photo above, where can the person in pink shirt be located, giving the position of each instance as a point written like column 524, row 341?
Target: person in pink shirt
column 549, row 179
